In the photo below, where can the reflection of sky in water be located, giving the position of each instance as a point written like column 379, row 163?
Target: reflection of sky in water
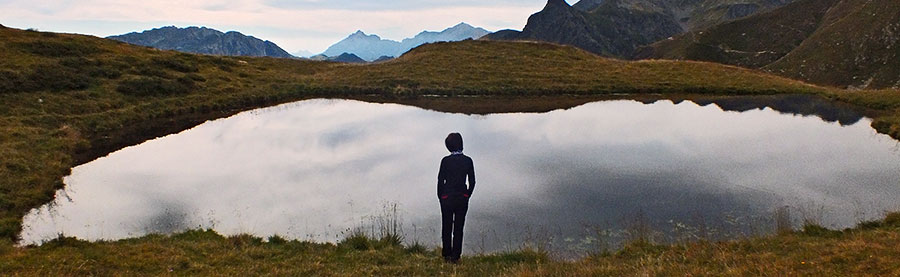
column 312, row 169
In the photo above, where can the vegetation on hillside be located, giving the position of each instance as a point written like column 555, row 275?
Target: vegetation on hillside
column 829, row 42
column 753, row 42
column 68, row 99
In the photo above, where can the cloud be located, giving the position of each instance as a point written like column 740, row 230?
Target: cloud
column 294, row 25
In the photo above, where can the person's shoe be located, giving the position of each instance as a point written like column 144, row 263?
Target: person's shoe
column 454, row 260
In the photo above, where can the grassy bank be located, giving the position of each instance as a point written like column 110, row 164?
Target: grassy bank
column 869, row 249
column 67, row 99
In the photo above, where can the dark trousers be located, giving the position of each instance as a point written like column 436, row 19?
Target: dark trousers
column 453, row 217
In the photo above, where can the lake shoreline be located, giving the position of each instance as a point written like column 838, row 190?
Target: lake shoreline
column 867, row 249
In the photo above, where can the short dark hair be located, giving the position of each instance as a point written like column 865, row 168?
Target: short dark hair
column 454, row 142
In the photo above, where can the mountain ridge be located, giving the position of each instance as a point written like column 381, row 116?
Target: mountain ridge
column 617, row 28
column 371, row 47
column 844, row 43
column 203, row 40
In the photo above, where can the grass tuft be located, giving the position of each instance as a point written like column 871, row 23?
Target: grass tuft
column 357, row 240
column 527, row 255
column 892, row 219
column 815, row 230
column 198, row 235
column 244, row 241
column 277, row 240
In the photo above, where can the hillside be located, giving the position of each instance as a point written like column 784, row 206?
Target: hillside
column 204, row 40
column 617, row 28
column 69, row 99
column 844, row 43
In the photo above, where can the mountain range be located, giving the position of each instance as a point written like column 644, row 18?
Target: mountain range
column 204, row 40
column 845, row 43
column 342, row 58
column 371, row 47
column 617, row 28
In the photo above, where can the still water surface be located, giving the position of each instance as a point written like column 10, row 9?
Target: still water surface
column 314, row 169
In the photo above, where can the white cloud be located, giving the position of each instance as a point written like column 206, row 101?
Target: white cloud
column 309, row 25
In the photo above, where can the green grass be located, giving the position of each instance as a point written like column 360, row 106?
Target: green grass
column 74, row 98
column 868, row 249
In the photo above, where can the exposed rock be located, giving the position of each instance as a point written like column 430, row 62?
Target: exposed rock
column 741, row 10
column 844, row 43
column 619, row 27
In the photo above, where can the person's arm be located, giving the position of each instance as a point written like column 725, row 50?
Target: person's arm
column 471, row 174
column 441, row 180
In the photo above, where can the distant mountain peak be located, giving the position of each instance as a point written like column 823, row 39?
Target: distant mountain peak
column 556, row 3
column 359, row 34
column 372, row 47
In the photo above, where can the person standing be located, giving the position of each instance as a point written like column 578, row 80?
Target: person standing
column 454, row 194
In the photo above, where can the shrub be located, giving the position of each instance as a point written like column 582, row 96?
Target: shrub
column 10, row 81
column 178, row 63
column 9, row 228
column 93, row 67
column 67, row 48
column 105, row 72
column 153, row 71
column 195, row 77
column 892, row 219
column 55, row 77
column 145, row 86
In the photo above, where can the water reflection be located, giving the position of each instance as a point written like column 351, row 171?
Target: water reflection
column 792, row 104
column 313, row 169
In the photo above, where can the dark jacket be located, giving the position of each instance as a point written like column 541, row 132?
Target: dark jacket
column 452, row 176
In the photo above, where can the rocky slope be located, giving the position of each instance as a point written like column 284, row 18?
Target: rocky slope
column 844, row 43
column 618, row 28
column 204, row 40
column 373, row 47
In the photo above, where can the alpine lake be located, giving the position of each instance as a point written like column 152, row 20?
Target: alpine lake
column 570, row 180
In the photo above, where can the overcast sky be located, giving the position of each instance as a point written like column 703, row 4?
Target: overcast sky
column 294, row 25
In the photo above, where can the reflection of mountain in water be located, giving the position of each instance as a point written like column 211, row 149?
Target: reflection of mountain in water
column 805, row 105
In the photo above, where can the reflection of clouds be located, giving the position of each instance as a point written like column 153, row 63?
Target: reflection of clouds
column 314, row 168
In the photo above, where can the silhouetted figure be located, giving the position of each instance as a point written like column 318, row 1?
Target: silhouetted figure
column 454, row 196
